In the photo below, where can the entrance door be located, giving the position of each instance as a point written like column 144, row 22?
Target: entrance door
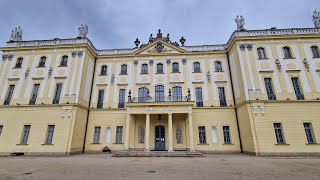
column 160, row 143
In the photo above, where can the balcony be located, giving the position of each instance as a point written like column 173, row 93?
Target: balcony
column 150, row 99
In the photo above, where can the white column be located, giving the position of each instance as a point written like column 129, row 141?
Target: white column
column 147, row 136
column 126, row 141
column 170, row 149
column 190, row 131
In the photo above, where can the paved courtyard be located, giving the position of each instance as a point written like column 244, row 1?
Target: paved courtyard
column 210, row 167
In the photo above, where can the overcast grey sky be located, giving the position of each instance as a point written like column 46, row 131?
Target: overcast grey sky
column 116, row 23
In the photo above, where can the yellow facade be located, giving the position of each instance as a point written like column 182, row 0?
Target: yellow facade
column 212, row 98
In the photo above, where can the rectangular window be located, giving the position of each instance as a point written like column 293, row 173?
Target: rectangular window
column 279, row 133
column 1, row 127
column 34, row 95
column 199, row 100
column 309, row 133
column 226, row 134
column 100, row 99
column 96, row 138
column 50, row 134
column 57, row 95
column 25, row 134
column 269, row 88
column 222, row 97
column 119, row 135
column 297, row 88
column 202, row 135
column 122, row 94
column 9, row 95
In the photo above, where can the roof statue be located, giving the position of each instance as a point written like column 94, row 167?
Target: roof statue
column 83, row 31
column 316, row 19
column 240, row 23
column 16, row 34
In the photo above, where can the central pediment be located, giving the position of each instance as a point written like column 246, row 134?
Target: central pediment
column 160, row 47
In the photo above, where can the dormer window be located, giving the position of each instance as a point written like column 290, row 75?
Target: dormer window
column 64, row 61
column 42, row 61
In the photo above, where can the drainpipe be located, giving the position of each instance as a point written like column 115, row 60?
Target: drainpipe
column 85, row 133
column 234, row 102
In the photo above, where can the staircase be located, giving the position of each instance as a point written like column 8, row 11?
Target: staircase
column 132, row 153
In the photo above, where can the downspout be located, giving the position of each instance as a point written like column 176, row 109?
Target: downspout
column 234, row 102
column 85, row 133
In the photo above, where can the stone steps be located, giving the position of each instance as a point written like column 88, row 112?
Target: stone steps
column 157, row 154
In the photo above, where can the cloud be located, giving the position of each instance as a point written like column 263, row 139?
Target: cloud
column 116, row 23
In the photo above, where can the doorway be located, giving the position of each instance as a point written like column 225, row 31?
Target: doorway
column 160, row 143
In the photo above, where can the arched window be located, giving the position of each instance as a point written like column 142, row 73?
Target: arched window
column 218, row 66
column 179, row 134
column 103, row 70
column 159, row 92
column 143, row 94
column 124, row 69
column 64, row 61
column 315, row 52
column 19, row 62
column 175, row 67
column 261, row 53
column 42, row 61
column 177, row 93
column 144, row 69
column 287, row 52
column 141, row 134
column 196, row 67
column 159, row 68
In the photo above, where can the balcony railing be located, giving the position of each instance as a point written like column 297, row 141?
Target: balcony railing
column 159, row 99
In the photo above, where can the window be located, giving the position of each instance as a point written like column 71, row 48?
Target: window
column 144, row 69
column 25, row 134
column 261, row 53
column 199, row 100
column 297, row 89
column 159, row 68
column 96, row 137
column 179, row 134
column 1, row 127
column 9, row 95
column 226, row 134
column 175, row 67
column 309, row 133
column 42, row 61
column 19, row 62
column 218, row 66
column 222, row 97
column 287, row 53
column 122, row 94
column 143, row 94
column 177, row 93
column 124, row 69
column 269, row 89
column 214, row 135
column 64, row 61
column 196, row 67
column 279, row 133
column 103, row 70
column 202, row 135
column 159, row 91
column 50, row 134
column 100, row 99
column 57, row 94
column 119, row 135
column 141, row 135
column 315, row 52
column 34, row 95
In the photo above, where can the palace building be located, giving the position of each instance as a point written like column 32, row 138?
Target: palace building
column 259, row 93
